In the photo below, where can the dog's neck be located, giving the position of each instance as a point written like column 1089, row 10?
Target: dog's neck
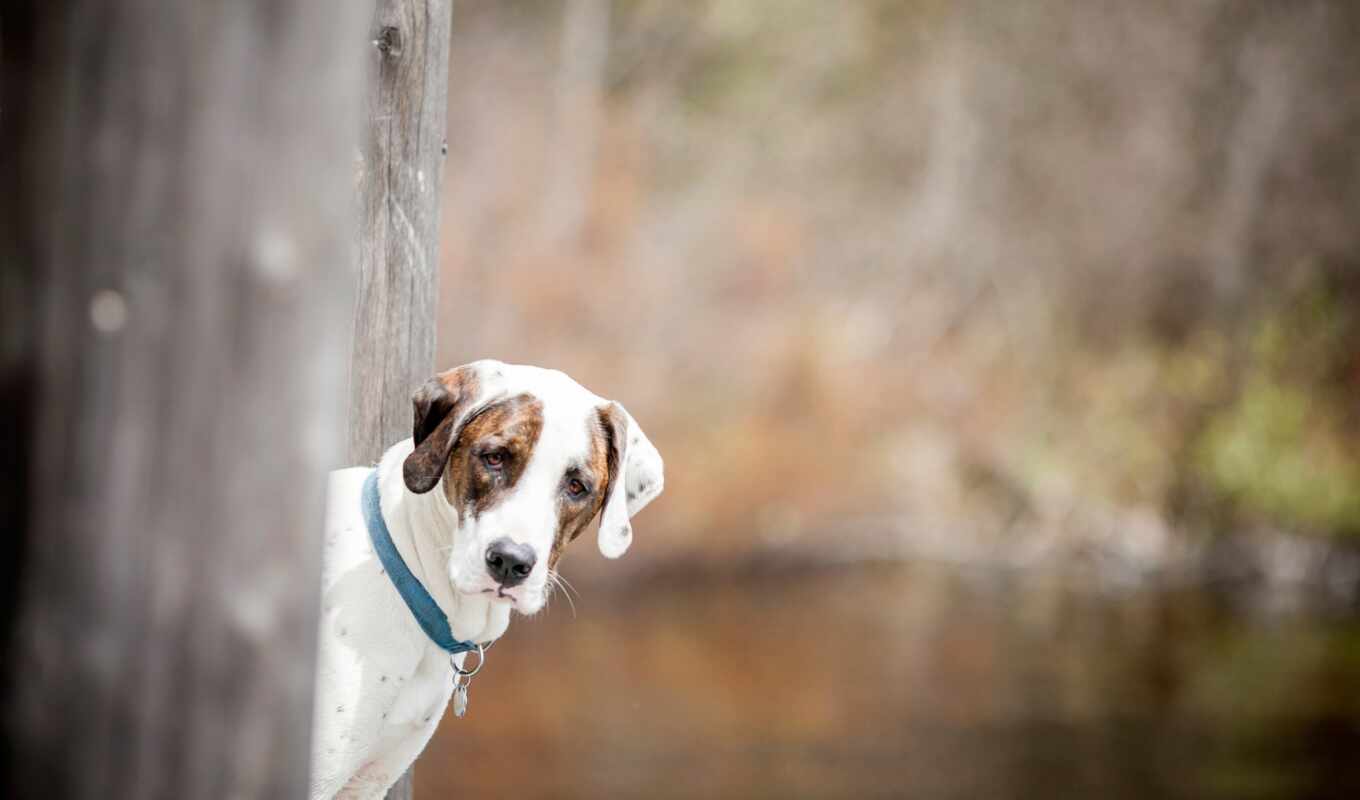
column 422, row 527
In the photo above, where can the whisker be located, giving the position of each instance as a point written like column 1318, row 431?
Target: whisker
column 557, row 580
column 567, row 585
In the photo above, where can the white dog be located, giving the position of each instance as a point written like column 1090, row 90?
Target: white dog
column 427, row 554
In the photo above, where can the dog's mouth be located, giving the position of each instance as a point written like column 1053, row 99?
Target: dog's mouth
column 499, row 594
column 484, row 587
column 515, row 597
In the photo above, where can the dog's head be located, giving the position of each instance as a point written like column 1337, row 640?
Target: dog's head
column 526, row 458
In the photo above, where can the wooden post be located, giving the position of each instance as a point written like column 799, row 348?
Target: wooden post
column 177, row 208
column 400, row 179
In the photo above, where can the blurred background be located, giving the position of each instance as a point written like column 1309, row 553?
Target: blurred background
column 1004, row 357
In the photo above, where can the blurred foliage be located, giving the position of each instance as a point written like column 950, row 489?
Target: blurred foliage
column 965, row 276
column 1267, row 430
column 960, row 283
column 1286, row 448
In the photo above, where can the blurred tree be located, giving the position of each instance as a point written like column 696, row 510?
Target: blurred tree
column 892, row 247
column 175, row 210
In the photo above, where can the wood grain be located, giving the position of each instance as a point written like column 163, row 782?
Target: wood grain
column 400, row 176
column 184, row 171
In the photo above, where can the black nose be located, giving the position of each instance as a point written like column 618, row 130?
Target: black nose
column 509, row 563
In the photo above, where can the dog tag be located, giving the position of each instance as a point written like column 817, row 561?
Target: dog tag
column 460, row 698
column 462, row 679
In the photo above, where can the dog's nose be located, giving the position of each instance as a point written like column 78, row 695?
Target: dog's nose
column 509, row 563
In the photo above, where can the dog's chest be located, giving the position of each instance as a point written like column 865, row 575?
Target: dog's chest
column 379, row 672
column 421, row 701
column 383, row 685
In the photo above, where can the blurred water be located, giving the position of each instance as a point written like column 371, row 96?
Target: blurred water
column 909, row 681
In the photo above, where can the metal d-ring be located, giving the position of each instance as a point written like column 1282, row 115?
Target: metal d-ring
column 468, row 673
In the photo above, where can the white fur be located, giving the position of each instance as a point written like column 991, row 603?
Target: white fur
column 382, row 685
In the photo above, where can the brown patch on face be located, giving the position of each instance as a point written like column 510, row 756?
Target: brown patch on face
column 491, row 454
column 598, row 469
column 439, row 405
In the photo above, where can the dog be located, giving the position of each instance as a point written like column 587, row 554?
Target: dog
column 506, row 465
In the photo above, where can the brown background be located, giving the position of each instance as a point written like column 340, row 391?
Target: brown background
column 1002, row 357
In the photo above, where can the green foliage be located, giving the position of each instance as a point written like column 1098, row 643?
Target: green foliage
column 1283, row 450
column 1277, row 452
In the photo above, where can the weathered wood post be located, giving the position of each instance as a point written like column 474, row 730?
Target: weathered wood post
column 400, row 178
column 177, row 217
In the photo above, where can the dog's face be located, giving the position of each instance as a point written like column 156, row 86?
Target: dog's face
column 526, row 458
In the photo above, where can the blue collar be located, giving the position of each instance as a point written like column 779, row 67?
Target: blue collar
column 426, row 611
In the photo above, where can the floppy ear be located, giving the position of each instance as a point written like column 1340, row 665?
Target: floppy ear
column 636, row 477
column 442, row 406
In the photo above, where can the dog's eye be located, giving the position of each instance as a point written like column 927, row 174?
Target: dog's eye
column 577, row 489
column 495, row 459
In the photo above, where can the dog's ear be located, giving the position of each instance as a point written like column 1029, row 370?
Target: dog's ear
column 442, row 406
column 636, row 477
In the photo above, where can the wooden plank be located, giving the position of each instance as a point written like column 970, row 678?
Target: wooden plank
column 400, row 176
column 187, row 171
column 400, row 179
